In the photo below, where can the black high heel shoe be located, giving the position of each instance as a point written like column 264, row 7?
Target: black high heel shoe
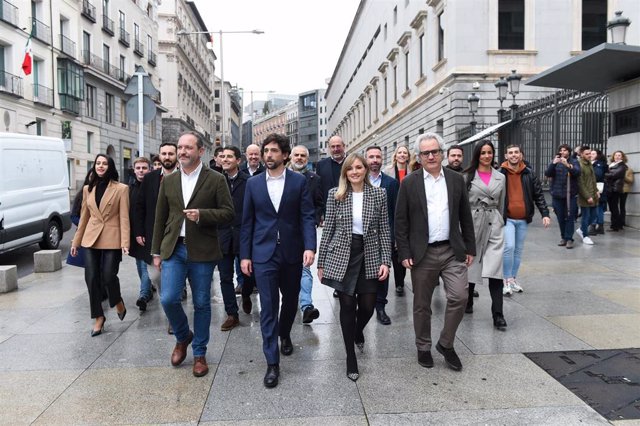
column 122, row 314
column 95, row 332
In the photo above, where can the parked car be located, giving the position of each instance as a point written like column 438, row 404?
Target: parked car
column 34, row 191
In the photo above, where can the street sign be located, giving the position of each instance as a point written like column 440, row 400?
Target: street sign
column 148, row 109
column 147, row 86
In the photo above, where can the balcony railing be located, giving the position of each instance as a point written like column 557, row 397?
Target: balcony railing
column 88, row 10
column 41, row 31
column 103, row 66
column 8, row 13
column 151, row 58
column 107, row 25
column 67, row 46
column 124, row 37
column 11, row 84
column 138, row 48
column 69, row 104
column 42, row 95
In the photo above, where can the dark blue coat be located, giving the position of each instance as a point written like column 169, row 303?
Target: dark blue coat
column 329, row 172
column 229, row 235
column 560, row 175
column 294, row 221
column 391, row 186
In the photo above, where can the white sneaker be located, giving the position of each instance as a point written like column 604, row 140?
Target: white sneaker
column 515, row 286
column 588, row 241
column 579, row 232
column 506, row 290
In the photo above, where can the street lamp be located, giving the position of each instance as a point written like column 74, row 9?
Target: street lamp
column 513, row 80
column 618, row 28
column 222, row 94
column 473, row 101
column 502, row 87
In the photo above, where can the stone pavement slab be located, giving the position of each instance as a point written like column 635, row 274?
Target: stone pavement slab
column 603, row 331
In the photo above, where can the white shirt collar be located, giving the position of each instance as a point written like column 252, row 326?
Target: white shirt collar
column 281, row 176
column 193, row 173
column 427, row 175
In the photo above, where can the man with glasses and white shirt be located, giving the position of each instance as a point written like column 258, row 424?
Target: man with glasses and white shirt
column 435, row 237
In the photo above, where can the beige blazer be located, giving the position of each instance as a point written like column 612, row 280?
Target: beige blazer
column 106, row 227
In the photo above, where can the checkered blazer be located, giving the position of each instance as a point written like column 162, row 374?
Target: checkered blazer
column 335, row 246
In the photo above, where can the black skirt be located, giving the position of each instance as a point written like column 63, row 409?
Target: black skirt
column 354, row 281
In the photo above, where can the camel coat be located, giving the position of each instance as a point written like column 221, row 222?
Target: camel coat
column 487, row 205
column 106, row 227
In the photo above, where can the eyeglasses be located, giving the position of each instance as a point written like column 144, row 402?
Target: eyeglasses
column 433, row 152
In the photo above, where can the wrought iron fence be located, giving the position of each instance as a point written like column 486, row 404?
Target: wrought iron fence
column 10, row 83
column 566, row 117
column 42, row 95
column 107, row 25
column 68, row 46
column 124, row 37
column 138, row 48
column 8, row 13
column 40, row 30
column 88, row 10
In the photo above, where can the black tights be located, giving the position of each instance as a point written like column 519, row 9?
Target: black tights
column 495, row 289
column 355, row 313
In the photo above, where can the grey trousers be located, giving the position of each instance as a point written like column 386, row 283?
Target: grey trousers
column 439, row 261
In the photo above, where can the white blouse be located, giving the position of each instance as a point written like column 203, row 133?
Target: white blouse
column 357, row 198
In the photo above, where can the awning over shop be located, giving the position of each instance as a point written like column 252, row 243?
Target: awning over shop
column 596, row 70
column 483, row 134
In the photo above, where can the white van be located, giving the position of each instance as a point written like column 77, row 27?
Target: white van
column 34, row 191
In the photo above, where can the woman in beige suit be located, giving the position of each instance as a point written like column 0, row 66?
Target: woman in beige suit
column 104, row 232
column 355, row 251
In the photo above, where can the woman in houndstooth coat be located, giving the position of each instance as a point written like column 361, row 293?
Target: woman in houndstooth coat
column 355, row 251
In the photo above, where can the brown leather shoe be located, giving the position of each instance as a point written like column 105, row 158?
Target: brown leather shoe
column 180, row 351
column 230, row 323
column 200, row 367
column 246, row 304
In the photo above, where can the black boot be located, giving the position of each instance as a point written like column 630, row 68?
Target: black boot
column 469, row 308
column 592, row 229
column 600, row 229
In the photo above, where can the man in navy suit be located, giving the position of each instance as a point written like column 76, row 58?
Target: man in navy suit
column 278, row 231
column 373, row 155
column 329, row 168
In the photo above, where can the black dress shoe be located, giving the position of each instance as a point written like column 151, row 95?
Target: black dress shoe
column 95, row 332
column 286, row 347
column 475, row 293
column 400, row 290
column 122, row 314
column 142, row 304
column 469, row 308
column 383, row 318
column 310, row 313
column 450, row 357
column 271, row 377
column 499, row 322
column 425, row 359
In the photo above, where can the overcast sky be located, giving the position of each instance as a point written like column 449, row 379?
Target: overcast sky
column 298, row 51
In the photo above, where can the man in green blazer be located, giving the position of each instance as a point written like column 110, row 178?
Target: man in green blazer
column 191, row 205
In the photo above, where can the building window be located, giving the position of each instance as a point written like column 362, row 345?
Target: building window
column 395, row 82
column 386, row 93
column 440, row 127
column 395, row 15
column 421, row 56
column 90, row 101
column 89, row 141
column 385, row 32
column 309, row 103
column 105, row 8
column 108, row 117
column 86, row 46
column 511, row 24
column 123, row 64
column 123, row 114
column 136, row 32
column 122, row 20
column 440, row 39
column 594, row 23
column 375, row 92
column 406, row 71
column 106, row 53
column 216, row 108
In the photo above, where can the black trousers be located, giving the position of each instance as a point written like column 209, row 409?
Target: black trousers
column 101, row 272
column 399, row 271
column 617, row 201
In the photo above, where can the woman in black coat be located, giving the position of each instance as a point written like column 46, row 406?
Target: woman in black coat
column 614, row 179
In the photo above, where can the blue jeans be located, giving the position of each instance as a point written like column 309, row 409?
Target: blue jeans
column 598, row 219
column 174, row 272
column 515, row 232
column 566, row 217
column 588, row 215
column 145, row 281
column 225, row 266
column 306, row 284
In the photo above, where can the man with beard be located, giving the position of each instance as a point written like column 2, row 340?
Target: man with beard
column 277, row 238
column 299, row 161
column 141, row 166
column 373, row 155
column 146, row 212
column 191, row 206
column 455, row 155
column 253, row 166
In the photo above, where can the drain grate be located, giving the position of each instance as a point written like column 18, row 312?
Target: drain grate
column 607, row 380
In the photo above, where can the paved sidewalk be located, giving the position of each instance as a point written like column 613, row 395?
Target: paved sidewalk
column 53, row 372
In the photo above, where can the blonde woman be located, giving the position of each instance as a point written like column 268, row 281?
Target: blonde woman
column 355, row 251
column 402, row 163
column 615, row 179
